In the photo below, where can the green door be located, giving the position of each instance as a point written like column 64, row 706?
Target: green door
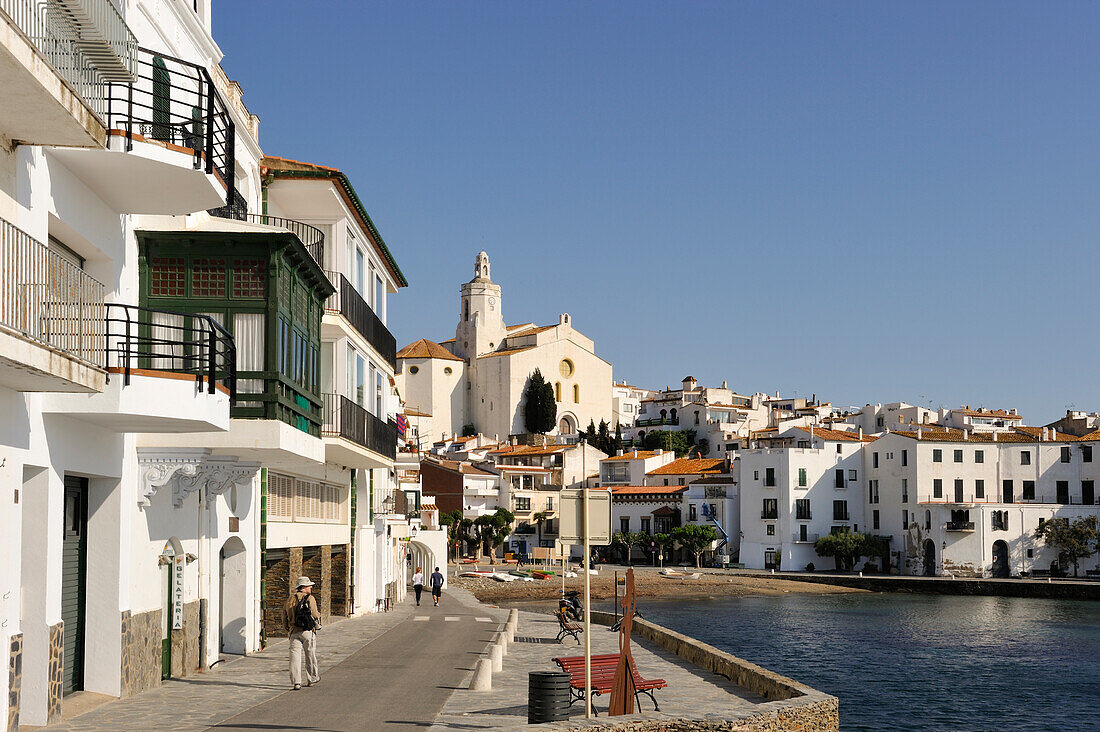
column 74, row 571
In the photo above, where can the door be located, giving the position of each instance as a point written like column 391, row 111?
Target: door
column 929, row 558
column 1000, row 559
column 769, row 559
column 232, row 595
column 74, row 570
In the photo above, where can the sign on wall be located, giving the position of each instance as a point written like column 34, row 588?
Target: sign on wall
column 178, row 565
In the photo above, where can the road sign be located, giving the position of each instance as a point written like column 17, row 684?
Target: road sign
column 570, row 512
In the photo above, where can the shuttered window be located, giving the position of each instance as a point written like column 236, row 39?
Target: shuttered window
column 298, row 499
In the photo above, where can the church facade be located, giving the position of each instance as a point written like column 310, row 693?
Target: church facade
column 479, row 377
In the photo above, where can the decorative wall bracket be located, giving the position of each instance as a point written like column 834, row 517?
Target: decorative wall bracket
column 189, row 470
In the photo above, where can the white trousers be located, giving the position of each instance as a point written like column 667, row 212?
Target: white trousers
column 303, row 642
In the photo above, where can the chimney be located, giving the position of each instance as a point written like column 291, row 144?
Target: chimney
column 926, row 417
column 659, row 451
column 619, row 453
column 994, row 435
column 635, row 453
column 724, row 384
column 861, row 434
column 920, row 432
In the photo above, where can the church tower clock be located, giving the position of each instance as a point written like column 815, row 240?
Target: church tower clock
column 480, row 322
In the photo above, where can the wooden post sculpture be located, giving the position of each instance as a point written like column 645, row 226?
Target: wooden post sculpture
column 622, row 688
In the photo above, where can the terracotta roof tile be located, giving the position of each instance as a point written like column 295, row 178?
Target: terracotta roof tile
column 631, row 456
column 690, row 466
column 506, row 352
column 998, row 413
column 639, row 490
column 424, row 348
column 527, row 450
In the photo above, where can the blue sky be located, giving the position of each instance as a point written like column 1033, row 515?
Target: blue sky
column 868, row 201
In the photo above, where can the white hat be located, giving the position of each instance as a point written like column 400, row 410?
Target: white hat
column 304, row 582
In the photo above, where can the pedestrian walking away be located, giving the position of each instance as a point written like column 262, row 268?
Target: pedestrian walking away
column 418, row 584
column 303, row 620
column 437, row 586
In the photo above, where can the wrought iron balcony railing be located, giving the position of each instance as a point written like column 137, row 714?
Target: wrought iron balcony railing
column 182, row 343
column 86, row 41
column 312, row 238
column 345, row 418
column 349, row 303
column 48, row 299
column 174, row 102
column 959, row 526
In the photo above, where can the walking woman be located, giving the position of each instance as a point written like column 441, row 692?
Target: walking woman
column 418, row 584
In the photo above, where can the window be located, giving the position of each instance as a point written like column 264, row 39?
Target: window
column 1029, row 490
column 769, row 476
column 1006, row 491
column 878, row 422
column 447, row 370
column 802, row 509
column 771, row 529
column 523, row 503
column 905, row 490
column 756, row 475
column 999, row 520
column 1086, row 453
column 904, row 519
column 853, row 475
column 692, row 516
column 557, row 391
column 770, row 509
column 1065, row 453
column 874, row 519
column 666, row 481
column 958, row 456
column 979, row 456
column 414, row 370
column 904, row 457
column 549, row 503
column 576, row 393
column 1025, row 457
column 1088, row 493
column 872, row 491
column 958, row 490
column 803, row 534
column 937, row 488
column 838, row 448
column 979, row 488
column 1062, row 487
column 927, row 520
column 645, row 524
column 937, row 456
column 679, row 481
column 624, row 524
column 839, row 483
column 874, row 460
column 840, row 510
column 802, row 477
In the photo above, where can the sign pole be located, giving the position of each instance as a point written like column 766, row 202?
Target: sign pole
column 587, row 592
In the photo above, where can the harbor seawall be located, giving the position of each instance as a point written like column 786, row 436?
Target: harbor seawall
column 1060, row 589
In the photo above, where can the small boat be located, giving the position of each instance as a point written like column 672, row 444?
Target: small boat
column 501, row 577
column 519, row 573
column 476, row 574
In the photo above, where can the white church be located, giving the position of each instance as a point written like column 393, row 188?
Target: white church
column 478, row 377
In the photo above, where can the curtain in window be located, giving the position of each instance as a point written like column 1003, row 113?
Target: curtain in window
column 248, row 333
column 167, row 335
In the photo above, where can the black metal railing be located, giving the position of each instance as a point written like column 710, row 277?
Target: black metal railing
column 657, row 421
column 175, row 102
column 345, row 418
column 161, row 340
column 960, row 526
column 841, row 516
column 769, row 514
column 349, row 303
column 312, row 238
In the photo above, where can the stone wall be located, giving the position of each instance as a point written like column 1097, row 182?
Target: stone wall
column 15, row 680
column 328, row 568
column 55, row 688
column 185, row 642
column 819, row 716
column 141, row 652
column 339, row 573
column 1062, row 589
column 319, row 569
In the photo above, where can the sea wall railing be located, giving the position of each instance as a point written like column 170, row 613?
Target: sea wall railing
column 48, row 299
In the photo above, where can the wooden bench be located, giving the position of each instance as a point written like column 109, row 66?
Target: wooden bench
column 568, row 628
column 603, row 676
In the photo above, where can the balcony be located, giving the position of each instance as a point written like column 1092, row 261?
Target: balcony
column 356, row 438
column 769, row 515
column 57, row 60
column 841, row 516
column 312, row 238
column 166, row 372
column 657, row 422
column 349, row 303
column 810, row 538
column 959, row 526
column 171, row 141
column 51, row 319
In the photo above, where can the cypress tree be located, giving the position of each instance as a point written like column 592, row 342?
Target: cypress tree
column 540, row 408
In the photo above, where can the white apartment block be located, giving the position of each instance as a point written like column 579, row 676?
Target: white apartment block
column 795, row 491
column 626, row 401
column 630, row 468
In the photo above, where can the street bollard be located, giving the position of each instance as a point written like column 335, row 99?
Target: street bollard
column 483, row 676
column 497, row 657
column 502, row 641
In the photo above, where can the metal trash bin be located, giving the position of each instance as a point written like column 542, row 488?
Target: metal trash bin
column 547, row 696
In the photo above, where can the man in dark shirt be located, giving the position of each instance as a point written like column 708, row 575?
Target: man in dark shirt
column 437, row 586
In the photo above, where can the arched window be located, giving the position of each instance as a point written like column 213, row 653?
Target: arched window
column 557, row 391
column 664, row 413
column 672, row 415
column 467, row 310
column 697, row 418
column 576, row 393
column 162, row 101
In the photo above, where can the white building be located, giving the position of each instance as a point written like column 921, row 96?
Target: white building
column 968, row 503
column 630, row 468
column 795, row 487
column 626, row 400
column 479, row 377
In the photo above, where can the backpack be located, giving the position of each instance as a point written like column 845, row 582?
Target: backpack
column 303, row 615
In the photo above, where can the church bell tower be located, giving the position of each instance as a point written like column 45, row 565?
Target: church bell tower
column 480, row 322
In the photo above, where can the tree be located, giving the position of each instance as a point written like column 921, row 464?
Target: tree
column 695, row 539
column 540, row 411
column 541, row 517
column 453, row 522
column 845, row 546
column 664, row 543
column 1074, row 541
column 679, row 442
column 492, row 529
column 628, row 540
column 589, row 434
column 618, row 443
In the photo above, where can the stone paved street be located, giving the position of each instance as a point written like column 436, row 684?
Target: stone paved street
column 691, row 692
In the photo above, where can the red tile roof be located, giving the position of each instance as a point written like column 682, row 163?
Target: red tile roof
column 642, row 490
column 424, row 348
column 631, row 456
column 691, row 466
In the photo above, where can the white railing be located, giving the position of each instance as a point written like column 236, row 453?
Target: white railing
column 86, row 41
column 48, row 299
